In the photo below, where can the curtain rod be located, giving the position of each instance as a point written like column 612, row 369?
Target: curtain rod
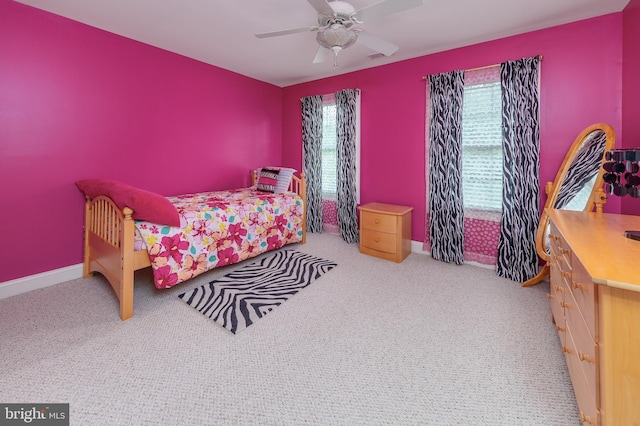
column 424, row 77
column 357, row 90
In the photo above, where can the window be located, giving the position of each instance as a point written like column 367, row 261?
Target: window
column 482, row 144
column 329, row 148
column 329, row 154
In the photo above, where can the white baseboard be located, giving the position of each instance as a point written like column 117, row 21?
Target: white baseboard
column 42, row 280
column 417, row 247
column 57, row 276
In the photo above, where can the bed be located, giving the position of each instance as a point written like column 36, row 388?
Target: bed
column 215, row 229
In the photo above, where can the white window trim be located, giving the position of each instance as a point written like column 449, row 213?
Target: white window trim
column 482, row 76
column 330, row 99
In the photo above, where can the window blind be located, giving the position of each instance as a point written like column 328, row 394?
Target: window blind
column 329, row 154
column 482, row 146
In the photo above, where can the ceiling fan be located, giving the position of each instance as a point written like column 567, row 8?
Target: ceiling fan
column 337, row 30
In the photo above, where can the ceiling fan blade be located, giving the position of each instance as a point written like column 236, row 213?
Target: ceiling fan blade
column 322, row 7
column 321, row 55
column 386, row 7
column 376, row 43
column 285, row 32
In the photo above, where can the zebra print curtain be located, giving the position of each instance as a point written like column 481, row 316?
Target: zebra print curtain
column 347, row 196
column 312, row 159
column 517, row 257
column 446, row 213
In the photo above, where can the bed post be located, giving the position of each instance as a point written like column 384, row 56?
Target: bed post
column 126, row 289
column 86, row 272
column 303, row 194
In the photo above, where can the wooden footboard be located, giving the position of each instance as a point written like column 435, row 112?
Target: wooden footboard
column 108, row 249
column 299, row 186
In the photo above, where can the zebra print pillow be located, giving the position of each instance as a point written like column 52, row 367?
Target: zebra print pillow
column 267, row 180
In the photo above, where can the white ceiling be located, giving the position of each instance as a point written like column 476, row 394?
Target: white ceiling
column 221, row 33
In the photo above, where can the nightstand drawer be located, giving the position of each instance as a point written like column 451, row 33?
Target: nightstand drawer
column 380, row 241
column 379, row 222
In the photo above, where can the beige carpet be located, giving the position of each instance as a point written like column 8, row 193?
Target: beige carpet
column 371, row 343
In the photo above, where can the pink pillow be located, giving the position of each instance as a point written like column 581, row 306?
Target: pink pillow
column 146, row 205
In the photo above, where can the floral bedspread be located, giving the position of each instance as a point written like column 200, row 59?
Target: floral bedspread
column 218, row 229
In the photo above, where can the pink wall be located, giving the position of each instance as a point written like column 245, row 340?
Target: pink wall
column 77, row 102
column 73, row 99
column 631, row 84
column 580, row 86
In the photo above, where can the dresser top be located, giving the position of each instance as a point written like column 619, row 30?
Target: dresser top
column 598, row 240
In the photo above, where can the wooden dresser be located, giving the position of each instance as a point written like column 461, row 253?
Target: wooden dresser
column 385, row 231
column 595, row 302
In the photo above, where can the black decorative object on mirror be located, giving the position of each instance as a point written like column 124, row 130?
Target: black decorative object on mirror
column 621, row 172
column 621, row 176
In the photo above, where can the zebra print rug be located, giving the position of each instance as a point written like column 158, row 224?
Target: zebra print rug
column 245, row 295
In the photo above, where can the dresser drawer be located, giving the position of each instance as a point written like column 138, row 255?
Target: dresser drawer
column 557, row 310
column 560, row 252
column 379, row 222
column 583, row 291
column 379, row 241
column 584, row 346
column 584, row 385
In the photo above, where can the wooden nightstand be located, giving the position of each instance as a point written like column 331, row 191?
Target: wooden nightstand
column 385, row 231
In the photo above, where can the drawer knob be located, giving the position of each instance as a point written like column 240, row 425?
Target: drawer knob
column 565, row 274
column 578, row 286
column 377, row 221
column 565, row 305
column 550, row 296
column 586, row 419
column 566, row 350
column 584, row 357
column 560, row 329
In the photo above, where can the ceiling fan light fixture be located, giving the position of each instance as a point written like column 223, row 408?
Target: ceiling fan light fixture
column 336, row 36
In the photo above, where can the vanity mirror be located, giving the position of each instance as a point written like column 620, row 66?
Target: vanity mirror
column 578, row 185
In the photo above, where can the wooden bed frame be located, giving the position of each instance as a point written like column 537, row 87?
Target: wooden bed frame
column 109, row 243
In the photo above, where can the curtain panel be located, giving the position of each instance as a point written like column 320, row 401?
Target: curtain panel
column 446, row 215
column 346, row 134
column 312, row 159
column 517, row 256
